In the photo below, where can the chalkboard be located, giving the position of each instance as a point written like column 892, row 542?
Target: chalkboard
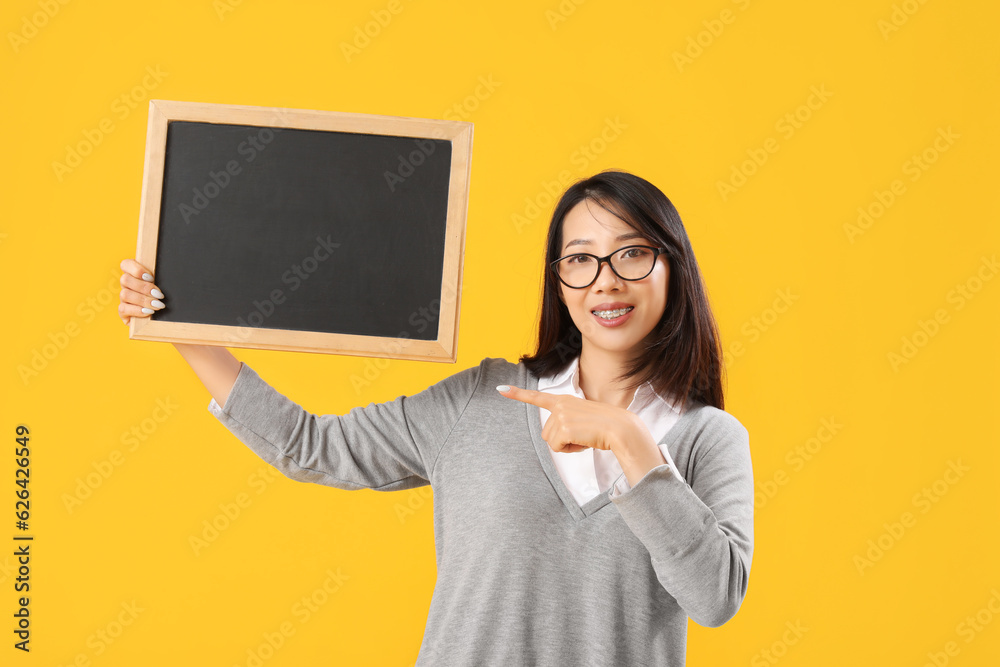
column 304, row 230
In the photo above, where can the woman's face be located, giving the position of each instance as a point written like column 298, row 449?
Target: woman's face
column 590, row 228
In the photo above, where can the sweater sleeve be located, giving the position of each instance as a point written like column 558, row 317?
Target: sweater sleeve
column 621, row 484
column 700, row 535
column 385, row 446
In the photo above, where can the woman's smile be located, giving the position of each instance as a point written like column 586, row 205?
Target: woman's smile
column 613, row 317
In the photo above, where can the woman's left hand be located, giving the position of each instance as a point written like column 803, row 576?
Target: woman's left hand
column 575, row 423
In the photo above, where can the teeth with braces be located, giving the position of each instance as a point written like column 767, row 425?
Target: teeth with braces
column 612, row 314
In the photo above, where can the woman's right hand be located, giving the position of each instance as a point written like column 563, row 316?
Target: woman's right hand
column 139, row 296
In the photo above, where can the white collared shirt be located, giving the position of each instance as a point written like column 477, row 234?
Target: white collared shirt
column 592, row 471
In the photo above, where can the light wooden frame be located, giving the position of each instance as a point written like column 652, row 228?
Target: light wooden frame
column 161, row 112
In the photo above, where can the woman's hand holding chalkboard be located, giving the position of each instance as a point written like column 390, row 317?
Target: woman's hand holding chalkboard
column 139, row 296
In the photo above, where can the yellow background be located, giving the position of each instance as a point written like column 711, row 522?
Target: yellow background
column 892, row 74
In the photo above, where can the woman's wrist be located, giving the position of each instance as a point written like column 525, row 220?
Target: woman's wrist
column 636, row 451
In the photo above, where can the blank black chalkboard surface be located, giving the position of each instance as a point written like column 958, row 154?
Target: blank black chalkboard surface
column 311, row 231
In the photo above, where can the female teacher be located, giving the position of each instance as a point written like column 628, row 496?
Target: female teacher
column 587, row 499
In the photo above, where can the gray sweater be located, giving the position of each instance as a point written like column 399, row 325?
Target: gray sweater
column 525, row 575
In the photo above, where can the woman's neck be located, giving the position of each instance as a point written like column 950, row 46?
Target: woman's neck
column 598, row 370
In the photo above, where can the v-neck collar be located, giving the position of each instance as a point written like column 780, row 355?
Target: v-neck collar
column 592, row 506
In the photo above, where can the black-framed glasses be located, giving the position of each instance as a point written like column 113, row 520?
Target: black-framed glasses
column 581, row 269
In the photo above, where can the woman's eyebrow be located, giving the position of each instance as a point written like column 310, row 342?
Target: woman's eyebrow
column 622, row 237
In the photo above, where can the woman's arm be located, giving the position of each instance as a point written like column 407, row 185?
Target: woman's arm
column 215, row 366
column 700, row 535
column 386, row 446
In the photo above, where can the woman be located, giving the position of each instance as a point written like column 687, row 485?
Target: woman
column 588, row 499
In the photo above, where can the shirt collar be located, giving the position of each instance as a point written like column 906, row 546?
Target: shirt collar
column 569, row 378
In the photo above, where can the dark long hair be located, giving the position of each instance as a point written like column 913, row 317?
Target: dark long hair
column 684, row 355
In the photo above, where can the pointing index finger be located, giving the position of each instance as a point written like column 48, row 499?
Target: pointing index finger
column 539, row 398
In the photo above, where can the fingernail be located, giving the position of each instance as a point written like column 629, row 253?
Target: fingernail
column 146, row 276
column 148, row 311
column 157, row 293
column 503, row 388
column 156, row 303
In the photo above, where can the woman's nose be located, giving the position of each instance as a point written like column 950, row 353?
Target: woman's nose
column 606, row 275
